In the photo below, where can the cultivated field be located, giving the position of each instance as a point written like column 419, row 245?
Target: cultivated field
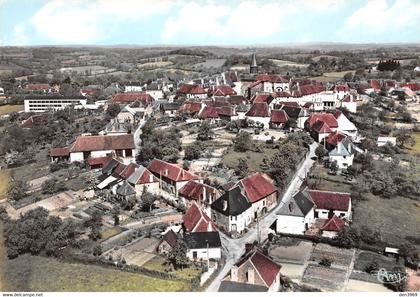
column 415, row 149
column 6, row 109
column 329, row 279
column 254, row 159
column 4, row 183
column 364, row 258
column 283, row 63
column 209, row 63
column 331, row 76
column 34, row 273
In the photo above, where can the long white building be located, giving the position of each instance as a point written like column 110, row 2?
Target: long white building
column 43, row 103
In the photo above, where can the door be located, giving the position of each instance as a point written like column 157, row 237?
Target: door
column 195, row 255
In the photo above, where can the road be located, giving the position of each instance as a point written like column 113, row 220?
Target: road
column 138, row 132
column 233, row 249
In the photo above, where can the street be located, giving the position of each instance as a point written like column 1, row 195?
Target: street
column 233, row 249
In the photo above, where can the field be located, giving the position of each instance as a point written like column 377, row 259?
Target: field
column 34, row 273
column 158, row 264
column 152, row 65
column 365, row 258
column 254, row 159
column 209, row 63
column 2, row 259
column 416, row 148
column 394, row 218
column 331, row 76
column 283, row 63
column 6, row 109
column 4, row 183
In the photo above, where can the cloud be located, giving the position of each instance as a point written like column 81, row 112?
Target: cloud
column 78, row 21
column 381, row 16
column 19, row 36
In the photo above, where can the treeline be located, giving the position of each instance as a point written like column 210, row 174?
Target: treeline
column 389, row 65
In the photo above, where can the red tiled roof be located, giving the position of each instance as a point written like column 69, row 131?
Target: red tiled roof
column 262, row 98
column 193, row 190
column 171, row 238
column 291, row 104
column 258, row 110
column 146, row 178
column 132, row 97
column 191, row 89
column 257, row 187
column 60, row 152
column 282, row 94
column 334, row 224
column 170, row 171
column 195, row 220
column 412, row 86
column 38, row 87
column 102, row 143
column 119, row 169
column 35, row 120
column 340, row 88
column 321, row 127
column 375, row 85
column 209, row 112
column 305, row 90
column 237, row 100
column 99, row 161
column 279, row 117
column 271, row 78
column 226, row 111
column 335, row 138
column 254, row 84
column 265, row 266
column 327, row 118
column 190, row 107
column 223, row 91
column 129, row 170
column 330, row 200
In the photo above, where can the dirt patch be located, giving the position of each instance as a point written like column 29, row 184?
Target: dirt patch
column 296, row 254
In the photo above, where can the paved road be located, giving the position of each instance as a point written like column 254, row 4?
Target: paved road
column 234, row 248
column 138, row 132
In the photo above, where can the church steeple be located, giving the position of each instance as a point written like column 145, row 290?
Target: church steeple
column 253, row 68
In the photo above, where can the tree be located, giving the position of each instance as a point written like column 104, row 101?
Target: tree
column 326, row 262
column 113, row 110
column 205, row 132
column 97, row 250
column 348, row 76
column 17, row 190
column 404, row 137
column 372, row 267
column 334, row 167
column 242, row 169
column 52, row 186
column 320, row 152
column 242, row 142
column 94, row 224
column 178, row 255
column 147, row 201
column 194, row 151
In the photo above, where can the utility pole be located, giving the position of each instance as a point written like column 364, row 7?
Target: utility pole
column 208, row 255
column 258, row 229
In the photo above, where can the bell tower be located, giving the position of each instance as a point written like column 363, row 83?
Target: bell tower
column 253, row 67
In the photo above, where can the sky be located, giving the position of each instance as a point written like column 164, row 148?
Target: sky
column 207, row 22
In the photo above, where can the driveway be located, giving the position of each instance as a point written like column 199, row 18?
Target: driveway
column 235, row 248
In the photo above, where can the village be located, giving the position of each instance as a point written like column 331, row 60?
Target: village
column 239, row 181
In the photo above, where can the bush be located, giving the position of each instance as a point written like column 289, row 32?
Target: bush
column 325, row 262
column 52, row 186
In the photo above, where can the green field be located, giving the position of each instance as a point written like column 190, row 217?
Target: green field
column 365, row 258
column 6, row 109
column 331, row 76
column 254, row 159
column 4, row 183
column 35, row 273
column 158, row 264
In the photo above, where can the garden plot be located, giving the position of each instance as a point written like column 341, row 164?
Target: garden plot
column 298, row 253
column 325, row 278
column 340, row 258
column 138, row 253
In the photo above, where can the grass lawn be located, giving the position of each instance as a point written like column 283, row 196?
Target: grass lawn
column 331, row 76
column 31, row 171
column 35, row 273
column 416, row 148
column 6, row 109
column 365, row 258
column 157, row 264
column 231, row 158
column 108, row 233
column 4, row 183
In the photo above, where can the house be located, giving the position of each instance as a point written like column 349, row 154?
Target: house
column 210, row 113
column 340, row 91
column 343, row 154
column 259, row 113
column 332, row 140
column 329, row 204
column 35, row 121
column 190, row 108
column 167, row 243
column 114, row 127
column 170, row 108
column 227, row 113
column 196, row 220
column 296, row 114
column 52, row 101
column 345, row 125
column 232, row 212
column 86, row 147
column 254, row 272
column 172, row 177
column 279, row 119
column 349, row 102
column 260, row 192
column 125, row 192
column 320, row 125
column 221, row 90
column 98, row 163
column 202, row 194
column 130, row 115
column 191, row 92
column 203, row 246
column 297, row 215
column 143, row 180
column 38, row 88
column 332, row 227
column 126, row 98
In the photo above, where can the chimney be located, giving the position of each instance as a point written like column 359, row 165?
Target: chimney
column 166, row 171
column 150, row 178
column 290, row 207
column 251, row 276
column 225, row 205
column 234, row 273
